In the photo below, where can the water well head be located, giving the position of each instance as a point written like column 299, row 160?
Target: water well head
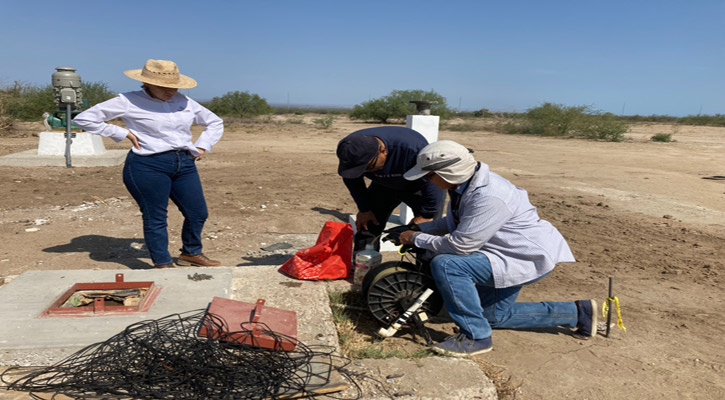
column 423, row 106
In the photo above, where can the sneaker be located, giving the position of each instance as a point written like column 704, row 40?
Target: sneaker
column 586, row 326
column 199, row 260
column 460, row 345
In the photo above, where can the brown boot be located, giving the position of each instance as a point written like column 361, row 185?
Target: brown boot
column 199, row 260
column 169, row 265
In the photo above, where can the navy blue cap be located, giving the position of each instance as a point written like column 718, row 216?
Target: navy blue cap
column 354, row 153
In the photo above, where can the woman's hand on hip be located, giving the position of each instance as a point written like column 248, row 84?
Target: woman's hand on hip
column 134, row 140
column 200, row 156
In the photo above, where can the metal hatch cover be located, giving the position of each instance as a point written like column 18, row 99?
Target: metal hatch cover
column 102, row 295
column 251, row 323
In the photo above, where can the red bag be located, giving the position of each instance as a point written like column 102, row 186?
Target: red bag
column 329, row 258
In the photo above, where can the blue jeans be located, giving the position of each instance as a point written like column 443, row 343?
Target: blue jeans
column 152, row 180
column 477, row 306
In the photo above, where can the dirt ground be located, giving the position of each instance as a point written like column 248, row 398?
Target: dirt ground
column 638, row 211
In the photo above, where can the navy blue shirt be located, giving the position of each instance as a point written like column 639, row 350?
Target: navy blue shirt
column 402, row 145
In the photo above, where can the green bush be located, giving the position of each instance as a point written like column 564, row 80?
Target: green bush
column 484, row 113
column 649, row 118
column 397, row 105
column 512, row 126
column 96, row 92
column 239, row 104
column 605, row 127
column 376, row 110
column 712, row 120
column 579, row 121
column 324, row 122
column 28, row 103
column 296, row 120
column 662, row 137
column 552, row 119
column 302, row 110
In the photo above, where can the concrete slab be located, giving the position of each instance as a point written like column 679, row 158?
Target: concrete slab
column 27, row 339
column 30, row 158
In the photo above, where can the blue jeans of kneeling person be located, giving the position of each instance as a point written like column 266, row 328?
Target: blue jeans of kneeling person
column 153, row 180
column 476, row 306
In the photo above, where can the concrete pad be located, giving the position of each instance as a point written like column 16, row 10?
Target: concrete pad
column 27, row 339
column 30, row 158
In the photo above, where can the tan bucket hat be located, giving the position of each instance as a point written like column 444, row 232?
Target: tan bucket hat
column 450, row 160
column 161, row 73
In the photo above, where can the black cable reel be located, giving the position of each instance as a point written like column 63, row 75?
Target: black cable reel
column 392, row 287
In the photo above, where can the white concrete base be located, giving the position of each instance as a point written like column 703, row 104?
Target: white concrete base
column 426, row 125
column 84, row 144
column 384, row 245
column 406, row 214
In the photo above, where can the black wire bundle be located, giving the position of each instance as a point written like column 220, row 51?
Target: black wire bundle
column 167, row 359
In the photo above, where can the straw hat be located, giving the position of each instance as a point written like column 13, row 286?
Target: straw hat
column 161, row 73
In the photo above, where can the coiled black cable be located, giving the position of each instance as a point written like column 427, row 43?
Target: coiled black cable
column 167, row 359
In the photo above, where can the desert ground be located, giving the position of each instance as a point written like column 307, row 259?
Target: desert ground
column 638, row 211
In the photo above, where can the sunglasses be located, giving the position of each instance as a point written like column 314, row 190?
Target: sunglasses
column 371, row 164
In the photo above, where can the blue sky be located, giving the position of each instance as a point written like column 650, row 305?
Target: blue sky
column 635, row 57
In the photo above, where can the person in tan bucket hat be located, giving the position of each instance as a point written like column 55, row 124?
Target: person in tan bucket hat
column 490, row 245
column 161, row 163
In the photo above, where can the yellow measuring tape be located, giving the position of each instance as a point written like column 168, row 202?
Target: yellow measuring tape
column 605, row 310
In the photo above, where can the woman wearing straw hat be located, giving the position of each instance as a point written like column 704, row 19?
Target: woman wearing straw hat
column 160, row 165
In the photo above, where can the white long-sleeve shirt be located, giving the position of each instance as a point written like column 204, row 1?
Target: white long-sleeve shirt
column 497, row 219
column 159, row 125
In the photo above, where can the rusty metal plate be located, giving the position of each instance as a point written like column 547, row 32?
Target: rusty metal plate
column 250, row 323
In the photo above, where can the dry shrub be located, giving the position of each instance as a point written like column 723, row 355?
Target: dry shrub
column 7, row 127
column 356, row 330
column 6, row 123
column 505, row 387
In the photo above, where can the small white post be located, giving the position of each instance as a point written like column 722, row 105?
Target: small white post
column 426, row 125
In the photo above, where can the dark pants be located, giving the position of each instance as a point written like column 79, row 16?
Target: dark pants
column 383, row 201
column 152, row 180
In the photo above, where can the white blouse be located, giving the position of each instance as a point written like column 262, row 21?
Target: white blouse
column 159, row 125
